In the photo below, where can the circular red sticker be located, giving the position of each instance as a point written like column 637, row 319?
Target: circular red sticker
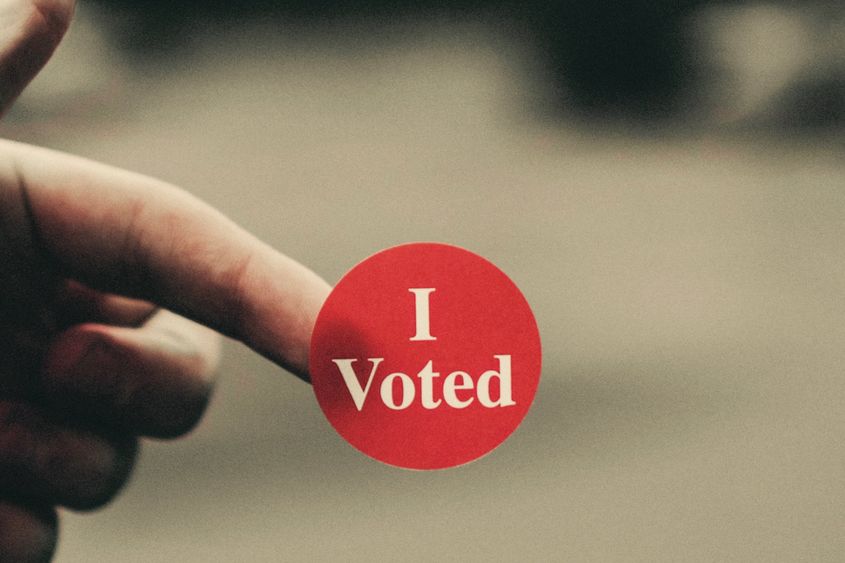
column 425, row 356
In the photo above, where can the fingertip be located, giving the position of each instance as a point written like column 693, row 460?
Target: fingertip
column 282, row 299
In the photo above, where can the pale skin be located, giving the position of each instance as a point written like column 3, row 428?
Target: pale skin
column 113, row 289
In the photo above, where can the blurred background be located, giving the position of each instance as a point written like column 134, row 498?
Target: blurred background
column 663, row 180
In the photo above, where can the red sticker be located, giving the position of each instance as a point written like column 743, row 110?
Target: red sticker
column 425, row 356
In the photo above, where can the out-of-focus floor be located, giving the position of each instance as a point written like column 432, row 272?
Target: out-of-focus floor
column 688, row 288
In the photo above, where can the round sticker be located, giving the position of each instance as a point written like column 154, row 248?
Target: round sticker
column 425, row 356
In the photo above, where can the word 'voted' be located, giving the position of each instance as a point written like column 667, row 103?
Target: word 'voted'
column 457, row 390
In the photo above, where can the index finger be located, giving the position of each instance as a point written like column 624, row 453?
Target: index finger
column 129, row 234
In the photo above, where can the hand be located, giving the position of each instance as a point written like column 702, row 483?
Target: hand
column 100, row 272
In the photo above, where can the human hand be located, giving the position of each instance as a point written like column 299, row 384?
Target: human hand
column 100, row 272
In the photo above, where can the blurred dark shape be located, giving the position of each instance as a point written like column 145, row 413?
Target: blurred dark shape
column 631, row 60
column 813, row 104
column 628, row 57
column 159, row 25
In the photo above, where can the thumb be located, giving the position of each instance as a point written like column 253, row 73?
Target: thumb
column 30, row 30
